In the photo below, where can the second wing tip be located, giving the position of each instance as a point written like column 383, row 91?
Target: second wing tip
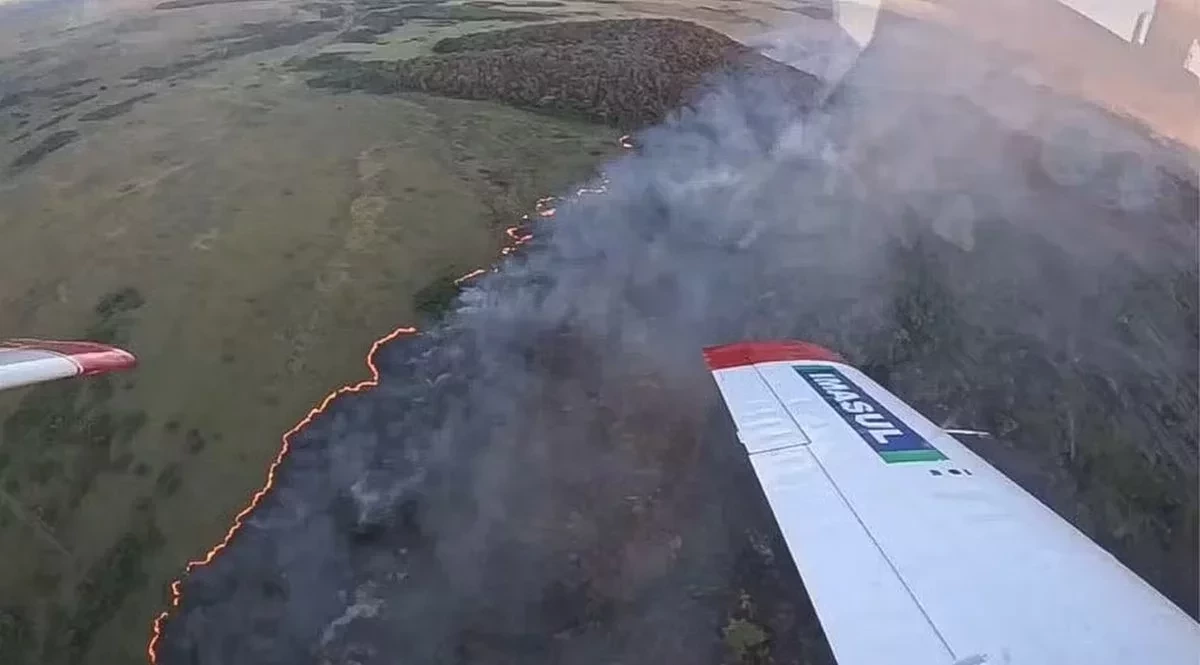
column 90, row 358
column 741, row 354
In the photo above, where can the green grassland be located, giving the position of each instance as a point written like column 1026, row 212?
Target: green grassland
column 248, row 237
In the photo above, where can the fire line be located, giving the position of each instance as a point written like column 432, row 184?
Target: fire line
column 519, row 235
column 239, row 519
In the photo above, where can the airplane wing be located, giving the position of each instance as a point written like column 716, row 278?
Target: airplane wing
column 28, row 361
column 913, row 549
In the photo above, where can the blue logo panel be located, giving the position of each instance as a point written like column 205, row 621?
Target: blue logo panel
column 887, row 435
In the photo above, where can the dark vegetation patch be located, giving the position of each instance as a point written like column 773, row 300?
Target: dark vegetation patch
column 249, row 38
column 194, row 441
column 105, row 586
column 71, row 101
column 114, row 315
column 114, row 110
column 168, row 481
column 123, row 300
column 20, row 137
column 627, row 73
column 63, row 89
column 47, row 145
column 52, row 122
column 326, row 9
column 62, row 436
column 62, row 95
column 435, row 298
column 33, row 56
column 359, row 36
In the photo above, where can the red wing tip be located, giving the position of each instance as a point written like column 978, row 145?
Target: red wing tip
column 102, row 362
column 742, row 354
column 92, row 357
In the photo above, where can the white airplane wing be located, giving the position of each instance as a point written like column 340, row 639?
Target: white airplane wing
column 28, row 361
column 913, row 549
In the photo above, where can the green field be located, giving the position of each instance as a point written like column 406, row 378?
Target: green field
column 248, row 238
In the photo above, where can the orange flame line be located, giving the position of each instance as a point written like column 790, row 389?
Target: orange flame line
column 543, row 209
column 471, row 275
column 240, row 518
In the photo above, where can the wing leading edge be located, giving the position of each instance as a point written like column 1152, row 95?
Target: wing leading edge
column 27, row 361
column 914, row 549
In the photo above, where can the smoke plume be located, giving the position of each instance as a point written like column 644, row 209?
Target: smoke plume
column 547, row 475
